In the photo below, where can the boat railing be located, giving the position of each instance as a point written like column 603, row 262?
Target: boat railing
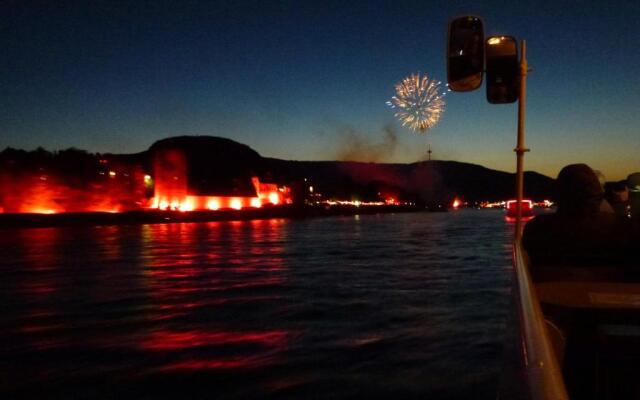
column 543, row 371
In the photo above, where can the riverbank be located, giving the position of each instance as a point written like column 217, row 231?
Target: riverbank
column 163, row 216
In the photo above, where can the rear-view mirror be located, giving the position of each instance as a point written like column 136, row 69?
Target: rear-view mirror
column 503, row 70
column 465, row 54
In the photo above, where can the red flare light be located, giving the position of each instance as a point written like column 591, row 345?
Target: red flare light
column 49, row 194
column 105, row 185
column 527, row 209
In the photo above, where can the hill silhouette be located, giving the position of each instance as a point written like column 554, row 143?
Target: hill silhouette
column 219, row 159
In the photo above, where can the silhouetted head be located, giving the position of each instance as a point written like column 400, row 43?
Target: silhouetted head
column 601, row 178
column 578, row 191
column 633, row 184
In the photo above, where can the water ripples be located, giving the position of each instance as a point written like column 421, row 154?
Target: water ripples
column 409, row 305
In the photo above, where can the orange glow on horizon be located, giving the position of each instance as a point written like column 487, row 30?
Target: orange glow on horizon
column 186, row 206
column 53, row 195
column 171, row 196
column 41, row 211
column 213, row 203
column 115, row 186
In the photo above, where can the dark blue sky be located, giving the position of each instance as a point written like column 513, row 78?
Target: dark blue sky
column 304, row 80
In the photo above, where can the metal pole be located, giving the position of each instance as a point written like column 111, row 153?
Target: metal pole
column 520, row 148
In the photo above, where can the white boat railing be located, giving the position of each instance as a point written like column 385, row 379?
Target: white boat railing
column 543, row 371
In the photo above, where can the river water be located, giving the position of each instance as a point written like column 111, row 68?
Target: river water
column 376, row 306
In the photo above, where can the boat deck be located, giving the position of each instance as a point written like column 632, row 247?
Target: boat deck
column 592, row 318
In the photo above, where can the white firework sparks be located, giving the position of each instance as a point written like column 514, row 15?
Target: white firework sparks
column 419, row 102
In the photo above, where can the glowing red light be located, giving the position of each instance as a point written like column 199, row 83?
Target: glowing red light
column 213, row 204
column 274, row 198
column 527, row 205
column 527, row 209
column 236, row 204
column 186, row 205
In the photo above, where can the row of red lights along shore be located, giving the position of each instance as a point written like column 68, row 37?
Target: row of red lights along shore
column 170, row 192
column 507, row 204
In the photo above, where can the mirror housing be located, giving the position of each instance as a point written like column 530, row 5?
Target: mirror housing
column 503, row 70
column 465, row 53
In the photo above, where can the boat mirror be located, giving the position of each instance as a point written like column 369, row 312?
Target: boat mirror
column 465, row 53
column 503, row 69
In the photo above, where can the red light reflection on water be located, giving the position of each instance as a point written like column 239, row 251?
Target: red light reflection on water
column 171, row 340
column 513, row 219
column 230, row 363
column 174, row 277
column 39, row 249
column 269, row 345
column 190, row 267
column 187, row 263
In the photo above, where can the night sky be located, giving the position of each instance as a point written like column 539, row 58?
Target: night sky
column 309, row 80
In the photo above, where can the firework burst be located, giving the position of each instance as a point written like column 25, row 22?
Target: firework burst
column 419, row 102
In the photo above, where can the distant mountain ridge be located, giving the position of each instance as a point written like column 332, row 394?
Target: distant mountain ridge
column 425, row 181
column 429, row 181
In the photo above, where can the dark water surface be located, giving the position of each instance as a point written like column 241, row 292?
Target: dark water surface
column 377, row 306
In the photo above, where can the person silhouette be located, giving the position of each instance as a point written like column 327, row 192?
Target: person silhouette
column 579, row 232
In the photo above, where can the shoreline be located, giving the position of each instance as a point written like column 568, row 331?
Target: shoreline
column 157, row 217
